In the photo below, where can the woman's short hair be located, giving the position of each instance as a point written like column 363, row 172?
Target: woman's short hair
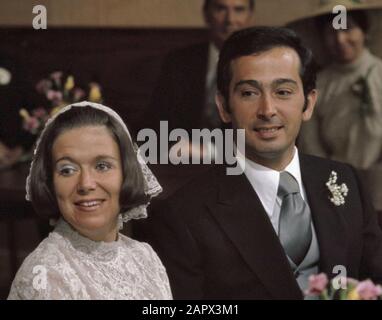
column 41, row 184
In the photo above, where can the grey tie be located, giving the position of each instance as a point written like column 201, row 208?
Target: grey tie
column 294, row 226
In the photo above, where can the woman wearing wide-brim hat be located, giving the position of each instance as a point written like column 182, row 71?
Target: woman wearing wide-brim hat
column 307, row 28
column 347, row 122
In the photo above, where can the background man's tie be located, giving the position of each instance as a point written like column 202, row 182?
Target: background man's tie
column 295, row 220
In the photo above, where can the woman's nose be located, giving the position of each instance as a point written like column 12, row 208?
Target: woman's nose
column 86, row 182
column 340, row 37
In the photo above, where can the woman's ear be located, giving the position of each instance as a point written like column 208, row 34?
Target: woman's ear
column 223, row 108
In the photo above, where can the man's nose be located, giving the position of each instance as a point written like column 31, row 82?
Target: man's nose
column 266, row 108
column 229, row 17
column 86, row 182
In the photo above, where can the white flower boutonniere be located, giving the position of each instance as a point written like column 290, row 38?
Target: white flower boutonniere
column 5, row 77
column 338, row 192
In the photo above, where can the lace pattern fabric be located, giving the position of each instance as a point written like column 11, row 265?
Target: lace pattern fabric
column 67, row 265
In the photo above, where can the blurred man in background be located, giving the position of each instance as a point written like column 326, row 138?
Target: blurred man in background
column 185, row 92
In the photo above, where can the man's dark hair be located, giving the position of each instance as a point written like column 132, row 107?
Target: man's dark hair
column 257, row 40
column 359, row 17
column 208, row 2
column 42, row 191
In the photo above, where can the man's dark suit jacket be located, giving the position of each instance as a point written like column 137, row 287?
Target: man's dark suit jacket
column 217, row 242
column 179, row 96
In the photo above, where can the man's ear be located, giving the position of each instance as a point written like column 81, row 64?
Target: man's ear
column 222, row 107
column 311, row 100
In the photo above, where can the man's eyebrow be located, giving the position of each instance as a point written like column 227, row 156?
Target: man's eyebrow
column 240, row 7
column 219, row 6
column 254, row 83
column 284, row 80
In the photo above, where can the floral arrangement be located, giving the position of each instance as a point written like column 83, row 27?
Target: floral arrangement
column 59, row 90
column 342, row 288
column 339, row 192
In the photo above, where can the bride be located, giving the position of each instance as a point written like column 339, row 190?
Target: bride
column 88, row 176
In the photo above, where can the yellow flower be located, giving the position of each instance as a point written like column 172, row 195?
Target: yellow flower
column 69, row 84
column 353, row 295
column 95, row 93
column 56, row 109
column 24, row 114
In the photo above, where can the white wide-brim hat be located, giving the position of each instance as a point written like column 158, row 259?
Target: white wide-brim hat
column 305, row 26
column 322, row 7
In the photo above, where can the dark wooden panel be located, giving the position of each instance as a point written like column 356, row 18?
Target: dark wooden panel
column 126, row 62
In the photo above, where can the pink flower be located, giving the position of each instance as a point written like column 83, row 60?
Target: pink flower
column 39, row 112
column 78, row 94
column 367, row 290
column 56, row 77
column 31, row 125
column 351, row 282
column 317, row 284
column 43, row 86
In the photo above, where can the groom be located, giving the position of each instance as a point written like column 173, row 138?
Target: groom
column 260, row 235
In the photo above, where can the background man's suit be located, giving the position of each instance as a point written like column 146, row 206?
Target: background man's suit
column 180, row 94
column 217, row 242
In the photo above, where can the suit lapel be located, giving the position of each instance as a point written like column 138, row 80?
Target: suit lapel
column 243, row 218
column 328, row 220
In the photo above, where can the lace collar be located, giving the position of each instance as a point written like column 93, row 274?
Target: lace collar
column 98, row 250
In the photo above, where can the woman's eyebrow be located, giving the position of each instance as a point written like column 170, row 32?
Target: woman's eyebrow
column 67, row 158
column 105, row 157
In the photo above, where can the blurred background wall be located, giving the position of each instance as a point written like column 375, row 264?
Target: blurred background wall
column 138, row 13
column 121, row 43
column 149, row 14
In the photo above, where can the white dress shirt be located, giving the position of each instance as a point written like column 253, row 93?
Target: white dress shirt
column 265, row 182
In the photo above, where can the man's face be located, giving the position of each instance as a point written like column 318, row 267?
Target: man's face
column 225, row 17
column 266, row 99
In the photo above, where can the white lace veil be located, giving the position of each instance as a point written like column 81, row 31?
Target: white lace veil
column 152, row 186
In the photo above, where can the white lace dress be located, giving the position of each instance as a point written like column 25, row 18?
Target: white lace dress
column 67, row 265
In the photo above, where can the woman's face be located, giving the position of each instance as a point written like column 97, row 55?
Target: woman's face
column 87, row 179
column 345, row 46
